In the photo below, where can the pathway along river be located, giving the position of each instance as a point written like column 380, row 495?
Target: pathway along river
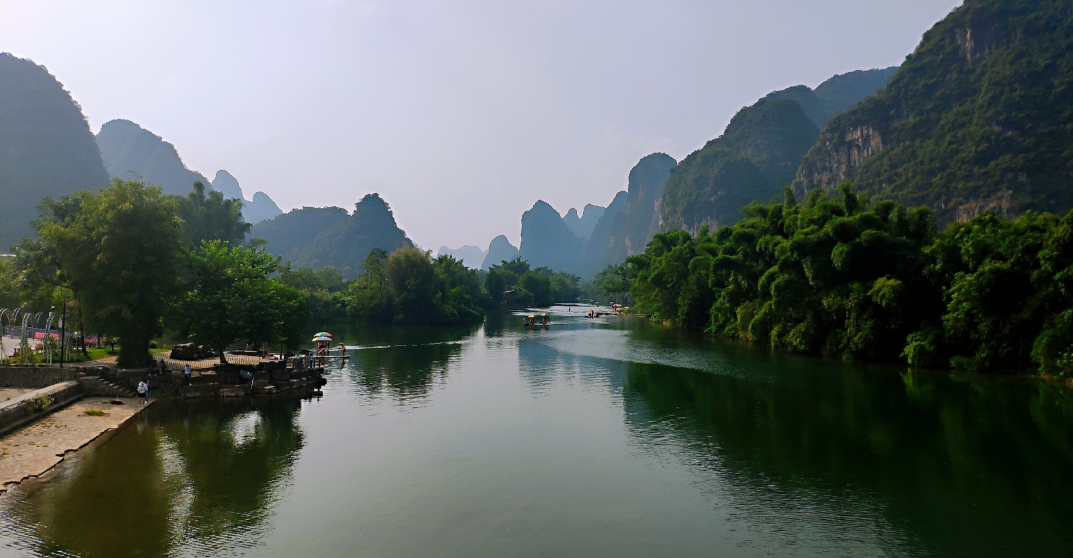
column 585, row 438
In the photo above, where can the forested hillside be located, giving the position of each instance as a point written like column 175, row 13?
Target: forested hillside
column 978, row 118
column 46, row 146
column 317, row 237
column 759, row 152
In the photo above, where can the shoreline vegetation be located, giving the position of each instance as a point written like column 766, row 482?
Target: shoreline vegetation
column 839, row 275
column 836, row 275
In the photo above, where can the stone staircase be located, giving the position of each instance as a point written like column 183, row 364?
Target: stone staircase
column 99, row 387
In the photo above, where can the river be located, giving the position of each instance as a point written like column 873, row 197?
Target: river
column 610, row 437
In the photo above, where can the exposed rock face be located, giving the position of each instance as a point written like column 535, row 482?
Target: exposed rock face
column 470, row 256
column 648, row 178
column 761, row 151
column 319, row 237
column 976, row 119
column 582, row 226
column 547, row 241
column 46, row 146
column 131, row 152
column 839, row 158
column 608, row 243
column 499, row 250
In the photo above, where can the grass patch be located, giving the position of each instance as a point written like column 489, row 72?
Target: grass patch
column 94, row 412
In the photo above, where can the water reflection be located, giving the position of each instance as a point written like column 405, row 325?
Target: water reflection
column 948, row 464
column 403, row 362
column 586, row 437
column 184, row 479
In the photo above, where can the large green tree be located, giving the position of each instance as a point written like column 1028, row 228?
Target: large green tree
column 231, row 297
column 209, row 216
column 118, row 252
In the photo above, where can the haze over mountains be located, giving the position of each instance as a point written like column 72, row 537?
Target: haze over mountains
column 756, row 156
column 470, row 256
column 46, row 146
column 47, row 149
column 978, row 118
column 130, row 152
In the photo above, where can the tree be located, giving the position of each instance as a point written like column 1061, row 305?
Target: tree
column 231, row 297
column 413, row 283
column 211, row 217
column 118, row 251
column 376, row 266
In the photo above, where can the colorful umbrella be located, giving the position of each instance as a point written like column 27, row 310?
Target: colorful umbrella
column 322, row 339
column 322, row 334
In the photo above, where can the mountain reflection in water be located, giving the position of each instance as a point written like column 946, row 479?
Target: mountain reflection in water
column 587, row 437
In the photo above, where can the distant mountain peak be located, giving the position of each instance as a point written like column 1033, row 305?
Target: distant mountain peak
column 227, row 185
column 499, row 250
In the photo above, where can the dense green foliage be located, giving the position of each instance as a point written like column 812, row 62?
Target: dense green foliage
column 322, row 288
column 610, row 285
column 120, row 262
column 410, row 287
column 979, row 117
column 322, row 237
column 211, row 217
column 118, row 252
column 538, row 287
column 231, row 297
column 46, row 147
column 849, row 278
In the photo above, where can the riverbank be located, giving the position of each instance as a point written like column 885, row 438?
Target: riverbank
column 35, row 449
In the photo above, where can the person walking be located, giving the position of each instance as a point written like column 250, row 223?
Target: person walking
column 186, row 372
column 143, row 392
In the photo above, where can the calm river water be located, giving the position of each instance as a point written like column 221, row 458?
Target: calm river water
column 609, row 437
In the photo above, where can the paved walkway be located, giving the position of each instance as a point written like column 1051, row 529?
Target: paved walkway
column 34, row 449
column 7, row 394
column 177, row 365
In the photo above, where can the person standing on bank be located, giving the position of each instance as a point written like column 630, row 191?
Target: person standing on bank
column 186, row 372
column 143, row 391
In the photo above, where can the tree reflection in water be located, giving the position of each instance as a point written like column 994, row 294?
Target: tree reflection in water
column 405, row 362
column 194, row 478
column 940, row 459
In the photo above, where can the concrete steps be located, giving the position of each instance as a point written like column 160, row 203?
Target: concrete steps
column 99, row 387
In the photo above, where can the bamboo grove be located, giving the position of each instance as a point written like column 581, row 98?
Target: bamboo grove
column 840, row 276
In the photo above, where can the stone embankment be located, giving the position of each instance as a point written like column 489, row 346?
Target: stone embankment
column 54, row 411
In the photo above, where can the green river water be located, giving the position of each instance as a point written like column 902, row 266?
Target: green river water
column 610, row 437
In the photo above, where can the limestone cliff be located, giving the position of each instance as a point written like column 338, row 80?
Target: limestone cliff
column 979, row 117
column 644, row 192
column 547, row 241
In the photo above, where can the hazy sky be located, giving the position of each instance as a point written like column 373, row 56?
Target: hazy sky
column 460, row 114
